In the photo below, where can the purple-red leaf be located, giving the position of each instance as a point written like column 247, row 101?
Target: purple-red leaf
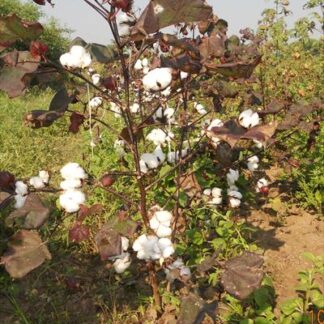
column 26, row 252
column 7, row 181
column 76, row 120
column 41, row 118
column 79, row 232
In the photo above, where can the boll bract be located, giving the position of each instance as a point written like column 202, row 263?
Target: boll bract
column 249, row 119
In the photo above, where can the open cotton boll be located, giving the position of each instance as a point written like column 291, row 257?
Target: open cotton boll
column 258, row 144
column 21, row 188
column 252, row 166
column 145, row 62
column 124, row 22
column 143, row 166
column 163, row 231
column 119, row 146
column 232, row 176
column 95, row 102
column 144, row 246
column 85, row 61
column 249, row 119
column 150, row 160
column 216, row 201
column 124, row 243
column 116, row 109
column 138, row 65
column 235, row 194
column 216, row 192
column 234, row 202
column 157, row 136
column 37, row 182
column 70, row 184
column 159, row 154
column 207, row 192
column 183, row 75
column 71, row 200
column 200, row 109
column 20, row 201
column 166, row 92
column 78, row 51
column 122, row 264
column 157, row 79
column 96, row 78
column 44, row 175
column 65, row 59
column 215, row 123
column 73, row 170
column 134, row 108
column 154, row 223
column 163, row 216
column 261, row 183
column 166, row 247
column 232, row 188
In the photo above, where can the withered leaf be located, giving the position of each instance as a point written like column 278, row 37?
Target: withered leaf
column 34, row 213
column 243, row 275
column 85, row 211
column 60, row 101
column 26, row 252
column 163, row 13
column 190, row 185
column 41, row 118
column 79, row 232
column 108, row 241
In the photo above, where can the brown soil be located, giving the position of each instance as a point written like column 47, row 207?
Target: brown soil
column 284, row 246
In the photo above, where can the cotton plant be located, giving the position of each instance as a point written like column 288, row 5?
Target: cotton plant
column 71, row 198
column 77, row 57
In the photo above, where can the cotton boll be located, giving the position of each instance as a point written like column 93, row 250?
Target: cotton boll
column 134, row 108
column 215, row 123
column 157, row 79
column 122, row 264
column 168, row 113
column 185, row 272
column 166, row 92
column 145, row 62
column 65, row 59
column 207, row 192
column 163, row 231
column 143, row 166
column 70, row 184
column 154, row 223
column 252, row 166
column 138, row 65
column 119, row 147
column 159, row 154
column 85, row 61
column 44, row 175
column 232, row 187
column 36, row 182
column 200, row 109
column 216, row 201
column 232, row 176
column 116, row 109
column 124, row 243
column 20, row 201
column 183, row 75
column 157, row 136
column 73, row 171
column 235, row 194
column 77, row 51
column 234, row 202
column 168, row 251
column 163, row 216
column 95, row 102
column 96, row 78
column 249, row 119
column 70, row 200
column 261, row 183
column 216, row 192
column 146, row 70
column 258, row 144
column 150, row 160
column 21, row 188
column 124, row 22
column 171, row 157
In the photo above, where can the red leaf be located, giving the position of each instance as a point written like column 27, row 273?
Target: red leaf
column 110, row 83
column 77, row 120
column 89, row 211
column 7, row 181
column 107, row 180
column 38, row 49
column 79, row 232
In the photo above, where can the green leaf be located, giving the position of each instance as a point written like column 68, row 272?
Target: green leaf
column 290, row 306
